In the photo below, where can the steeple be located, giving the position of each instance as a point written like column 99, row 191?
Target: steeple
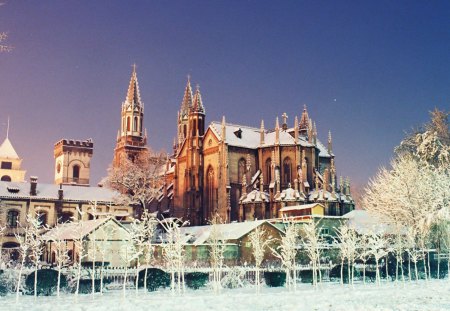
column 261, row 133
column 330, row 143
column 186, row 103
column 304, row 122
column 11, row 163
column 133, row 96
column 198, row 104
column 296, row 130
column 310, row 131
column 277, row 131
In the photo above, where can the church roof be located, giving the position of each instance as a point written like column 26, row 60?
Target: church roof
column 249, row 136
column 7, row 150
column 50, row 192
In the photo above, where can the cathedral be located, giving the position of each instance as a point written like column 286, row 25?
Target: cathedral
column 237, row 171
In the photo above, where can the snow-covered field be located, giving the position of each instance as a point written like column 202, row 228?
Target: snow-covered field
column 434, row 295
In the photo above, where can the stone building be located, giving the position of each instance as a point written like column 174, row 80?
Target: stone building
column 10, row 163
column 246, row 173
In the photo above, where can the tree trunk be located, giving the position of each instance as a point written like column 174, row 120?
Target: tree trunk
column 342, row 271
column 19, row 279
column 35, row 280
column 364, row 273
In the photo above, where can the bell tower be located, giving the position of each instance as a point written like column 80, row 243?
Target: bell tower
column 131, row 137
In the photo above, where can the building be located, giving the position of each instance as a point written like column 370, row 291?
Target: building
column 10, row 163
column 73, row 161
column 53, row 203
column 247, row 173
column 131, row 137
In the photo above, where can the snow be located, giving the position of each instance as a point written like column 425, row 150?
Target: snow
column 434, row 295
column 7, row 150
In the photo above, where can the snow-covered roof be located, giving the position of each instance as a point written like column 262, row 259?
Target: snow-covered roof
column 249, row 135
column 322, row 195
column 365, row 222
column 290, row 194
column 323, row 150
column 71, row 230
column 50, row 192
column 300, row 207
column 7, row 150
column 232, row 231
column 254, row 196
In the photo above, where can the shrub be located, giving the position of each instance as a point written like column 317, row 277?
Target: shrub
column 47, row 281
column 195, row 280
column 86, row 286
column 275, row 279
column 3, row 290
column 156, row 278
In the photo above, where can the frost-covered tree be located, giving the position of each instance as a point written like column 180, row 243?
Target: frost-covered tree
column 260, row 240
column 127, row 255
column 216, row 251
column 312, row 242
column 24, row 248
column 138, row 239
column 138, row 181
column 347, row 243
column 36, row 245
column 59, row 244
column 79, row 245
column 149, row 223
column 173, row 251
column 363, row 252
column 377, row 248
column 287, row 252
column 106, row 232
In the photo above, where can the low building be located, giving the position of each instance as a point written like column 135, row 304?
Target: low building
column 104, row 240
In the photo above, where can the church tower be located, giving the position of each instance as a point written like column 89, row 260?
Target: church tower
column 73, row 161
column 131, row 137
column 183, row 114
column 10, row 163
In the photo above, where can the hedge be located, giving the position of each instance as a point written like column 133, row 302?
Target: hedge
column 47, row 281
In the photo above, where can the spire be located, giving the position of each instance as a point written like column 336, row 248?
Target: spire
column 186, row 103
column 330, row 143
column 315, row 134
column 310, row 131
column 285, row 117
column 296, row 129
column 7, row 130
column 224, row 129
column 304, row 120
column 261, row 133
column 261, row 183
column 198, row 104
column 277, row 131
column 133, row 95
column 7, row 150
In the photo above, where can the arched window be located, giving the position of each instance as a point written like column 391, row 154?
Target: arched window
column 135, row 127
column 66, row 217
column 194, row 128
column 76, row 172
column 241, row 169
column 42, row 217
column 128, row 124
column 268, row 177
column 287, row 170
column 184, row 130
column 6, row 178
column 210, row 191
column 12, row 218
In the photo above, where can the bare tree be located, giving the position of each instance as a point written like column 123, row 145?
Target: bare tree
column 24, row 248
column 287, row 252
column 347, row 242
column 79, row 245
column 377, row 248
column 36, row 244
column 260, row 240
column 138, row 181
column 363, row 252
column 216, row 251
column 149, row 223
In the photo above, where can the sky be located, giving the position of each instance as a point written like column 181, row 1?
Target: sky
column 367, row 70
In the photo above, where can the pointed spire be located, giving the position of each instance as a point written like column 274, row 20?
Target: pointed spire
column 186, row 103
column 261, row 133
column 224, row 129
column 341, row 184
column 133, row 94
column 330, row 143
column 261, row 182
column 277, row 131
column 198, row 104
column 285, row 117
column 310, row 131
column 296, row 129
column 304, row 120
column 315, row 134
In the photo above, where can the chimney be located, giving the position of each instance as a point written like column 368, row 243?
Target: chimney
column 33, row 185
column 60, row 193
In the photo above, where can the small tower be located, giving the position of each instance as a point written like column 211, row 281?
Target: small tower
column 183, row 114
column 304, row 123
column 73, row 161
column 131, row 138
column 10, row 163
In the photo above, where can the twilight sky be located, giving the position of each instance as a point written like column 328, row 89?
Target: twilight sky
column 367, row 70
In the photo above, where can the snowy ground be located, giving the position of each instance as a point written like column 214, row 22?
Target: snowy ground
column 434, row 295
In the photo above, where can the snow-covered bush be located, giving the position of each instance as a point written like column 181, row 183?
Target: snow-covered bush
column 47, row 282
column 196, row 280
column 156, row 278
column 275, row 278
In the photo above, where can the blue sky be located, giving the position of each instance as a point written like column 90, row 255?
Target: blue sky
column 367, row 70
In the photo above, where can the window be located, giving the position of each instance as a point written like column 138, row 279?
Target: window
column 135, row 127
column 6, row 165
column 42, row 217
column 6, row 178
column 324, row 231
column 241, row 169
column 12, row 218
column 65, row 217
column 128, row 124
column 268, row 177
column 58, row 167
column 76, row 171
column 287, row 169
